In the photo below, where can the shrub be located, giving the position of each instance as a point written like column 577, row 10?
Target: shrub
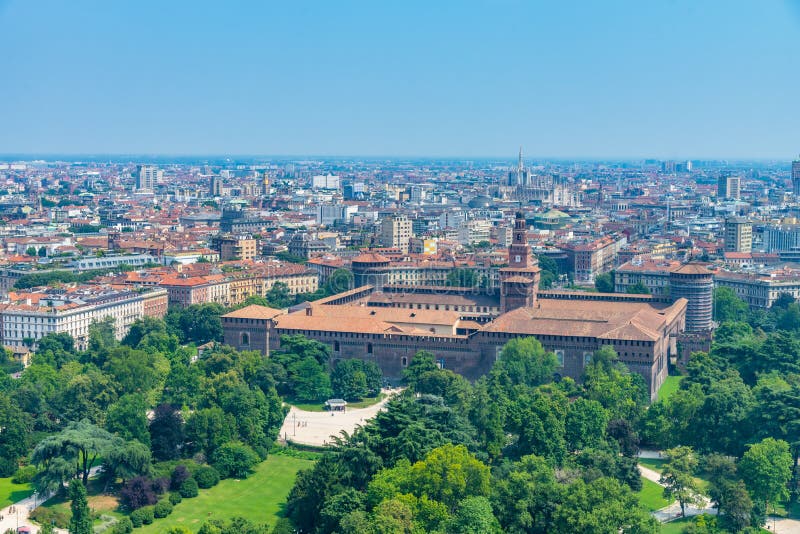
column 8, row 466
column 123, row 526
column 137, row 492
column 137, row 517
column 160, row 485
column 162, row 509
column 188, row 489
column 179, row 476
column 235, row 460
column 24, row 475
column 206, row 477
column 48, row 516
column 175, row 498
column 147, row 515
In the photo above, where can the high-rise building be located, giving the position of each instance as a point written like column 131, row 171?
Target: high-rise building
column 729, row 187
column 396, row 232
column 325, row 181
column 796, row 177
column 148, row 177
column 215, row 186
column 738, row 235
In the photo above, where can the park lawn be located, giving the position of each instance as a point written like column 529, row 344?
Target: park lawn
column 651, row 496
column 99, row 502
column 320, row 407
column 670, row 386
column 675, row 527
column 11, row 493
column 657, row 465
column 259, row 498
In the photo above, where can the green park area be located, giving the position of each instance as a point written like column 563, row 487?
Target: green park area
column 670, row 386
column 259, row 497
column 11, row 493
column 651, row 496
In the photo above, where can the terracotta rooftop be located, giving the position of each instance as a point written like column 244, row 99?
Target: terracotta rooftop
column 254, row 311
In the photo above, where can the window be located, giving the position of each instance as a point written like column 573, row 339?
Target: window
column 244, row 339
column 560, row 356
column 335, row 346
column 404, row 361
column 369, row 348
column 587, row 357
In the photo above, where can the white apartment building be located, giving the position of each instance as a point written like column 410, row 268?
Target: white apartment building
column 54, row 312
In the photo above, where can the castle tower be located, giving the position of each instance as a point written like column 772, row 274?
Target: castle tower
column 519, row 282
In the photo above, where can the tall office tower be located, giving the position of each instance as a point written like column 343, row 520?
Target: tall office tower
column 729, row 187
column 148, row 177
column 796, row 177
column 738, row 235
column 215, row 186
column 396, row 232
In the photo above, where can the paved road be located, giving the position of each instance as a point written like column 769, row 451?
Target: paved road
column 11, row 520
column 316, row 428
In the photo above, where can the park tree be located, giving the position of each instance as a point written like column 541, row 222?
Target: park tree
column 349, row 379
column 125, row 460
column 474, row 516
column 15, row 435
column 143, row 327
column 602, row 505
column 340, row 280
column 728, row 306
column 127, row 418
column 234, row 460
column 607, row 380
column 638, row 289
column 102, row 338
column 311, row 382
column 766, row 468
column 585, row 424
column 80, row 444
column 523, row 360
column 279, row 296
column 462, row 278
column 523, row 495
column 677, row 477
column 198, row 323
column 166, row 432
column 81, row 520
column 604, row 283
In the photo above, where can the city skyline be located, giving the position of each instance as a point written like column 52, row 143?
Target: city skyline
column 616, row 81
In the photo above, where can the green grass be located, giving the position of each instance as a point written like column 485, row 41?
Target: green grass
column 320, row 407
column 670, row 386
column 11, row 493
column 258, row 498
column 656, row 464
column 675, row 527
column 652, row 495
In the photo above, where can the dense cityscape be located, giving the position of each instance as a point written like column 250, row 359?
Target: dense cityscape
column 585, row 289
column 358, row 267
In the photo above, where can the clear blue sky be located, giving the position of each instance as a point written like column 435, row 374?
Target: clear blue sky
column 433, row 77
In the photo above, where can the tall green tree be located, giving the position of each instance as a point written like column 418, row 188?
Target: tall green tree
column 766, row 468
column 604, row 283
column 677, row 477
column 81, row 520
column 523, row 360
column 728, row 306
column 462, row 278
